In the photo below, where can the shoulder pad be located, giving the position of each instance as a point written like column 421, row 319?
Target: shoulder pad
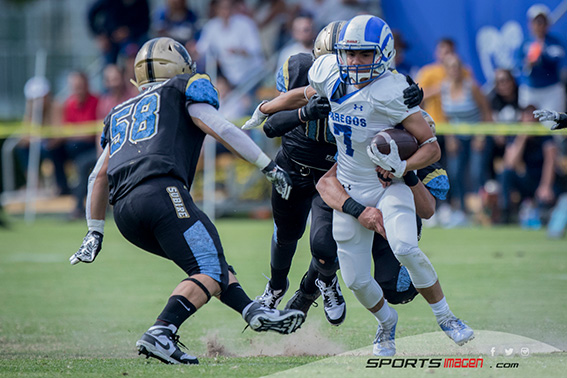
column 322, row 68
column 199, row 89
column 293, row 74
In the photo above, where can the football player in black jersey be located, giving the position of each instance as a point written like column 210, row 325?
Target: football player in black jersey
column 307, row 153
column 151, row 146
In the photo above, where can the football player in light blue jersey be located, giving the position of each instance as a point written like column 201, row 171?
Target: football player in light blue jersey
column 366, row 98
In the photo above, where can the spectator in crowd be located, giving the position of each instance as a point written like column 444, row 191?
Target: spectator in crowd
column 503, row 99
column 302, row 34
column 273, row 17
column 176, row 20
column 326, row 11
column 430, row 78
column 78, row 110
column 541, row 58
column 38, row 99
column 233, row 41
column 463, row 102
column 529, row 170
column 118, row 24
column 117, row 90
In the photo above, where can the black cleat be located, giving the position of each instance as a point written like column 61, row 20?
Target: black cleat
column 160, row 342
column 302, row 301
column 262, row 319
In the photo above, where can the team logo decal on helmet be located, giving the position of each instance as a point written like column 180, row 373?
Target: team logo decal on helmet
column 160, row 59
column 365, row 33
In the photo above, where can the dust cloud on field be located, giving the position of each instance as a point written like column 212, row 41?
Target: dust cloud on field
column 309, row 340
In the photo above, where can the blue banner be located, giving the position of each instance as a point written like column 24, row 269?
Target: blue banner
column 487, row 32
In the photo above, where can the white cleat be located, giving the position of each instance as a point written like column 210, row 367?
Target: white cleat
column 385, row 341
column 456, row 329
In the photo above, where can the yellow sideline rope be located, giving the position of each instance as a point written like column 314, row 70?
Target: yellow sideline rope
column 8, row 129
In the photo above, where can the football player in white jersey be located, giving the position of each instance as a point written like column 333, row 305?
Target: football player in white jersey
column 366, row 98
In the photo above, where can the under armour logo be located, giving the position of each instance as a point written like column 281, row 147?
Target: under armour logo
column 347, row 186
column 357, row 107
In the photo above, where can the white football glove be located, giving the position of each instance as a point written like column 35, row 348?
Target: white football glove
column 546, row 115
column 390, row 162
column 89, row 249
column 257, row 118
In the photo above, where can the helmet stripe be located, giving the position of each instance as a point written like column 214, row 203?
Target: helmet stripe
column 373, row 29
column 150, row 61
column 334, row 30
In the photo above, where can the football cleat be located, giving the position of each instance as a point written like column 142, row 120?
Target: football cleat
column 302, row 301
column 161, row 342
column 271, row 298
column 333, row 301
column 385, row 341
column 457, row 331
column 262, row 319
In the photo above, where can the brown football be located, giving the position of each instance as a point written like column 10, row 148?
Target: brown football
column 407, row 144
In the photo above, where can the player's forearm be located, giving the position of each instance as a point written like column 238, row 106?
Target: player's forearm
column 290, row 100
column 331, row 190
column 426, row 155
column 424, row 200
column 97, row 194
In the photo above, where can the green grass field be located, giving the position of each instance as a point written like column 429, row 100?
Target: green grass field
column 84, row 320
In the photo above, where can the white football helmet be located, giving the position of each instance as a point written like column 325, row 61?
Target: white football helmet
column 160, row 59
column 327, row 39
column 365, row 32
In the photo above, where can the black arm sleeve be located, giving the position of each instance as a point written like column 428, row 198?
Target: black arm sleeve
column 281, row 122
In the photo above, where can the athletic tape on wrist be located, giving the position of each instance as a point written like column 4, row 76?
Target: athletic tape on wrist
column 96, row 225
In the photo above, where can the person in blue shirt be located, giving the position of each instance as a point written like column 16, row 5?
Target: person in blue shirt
column 541, row 59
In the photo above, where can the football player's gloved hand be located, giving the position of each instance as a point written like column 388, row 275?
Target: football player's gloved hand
column 279, row 178
column 546, row 115
column 92, row 244
column 257, row 118
column 550, row 115
column 413, row 95
column 390, row 162
column 316, row 108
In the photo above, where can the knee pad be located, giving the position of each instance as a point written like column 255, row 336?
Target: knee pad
column 368, row 292
column 418, row 265
column 324, row 252
column 328, row 268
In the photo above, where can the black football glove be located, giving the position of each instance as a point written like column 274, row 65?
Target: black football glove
column 316, row 108
column 92, row 244
column 413, row 95
column 279, row 178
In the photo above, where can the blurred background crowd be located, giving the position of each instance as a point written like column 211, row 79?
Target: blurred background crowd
column 485, row 61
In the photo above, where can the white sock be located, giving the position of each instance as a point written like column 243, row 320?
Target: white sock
column 441, row 309
column 384, row 314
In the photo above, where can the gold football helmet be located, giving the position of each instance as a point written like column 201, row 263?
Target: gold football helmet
column 326, row 39
column 160, row 59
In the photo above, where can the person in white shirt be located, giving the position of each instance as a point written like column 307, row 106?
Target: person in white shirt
column 234, row 41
